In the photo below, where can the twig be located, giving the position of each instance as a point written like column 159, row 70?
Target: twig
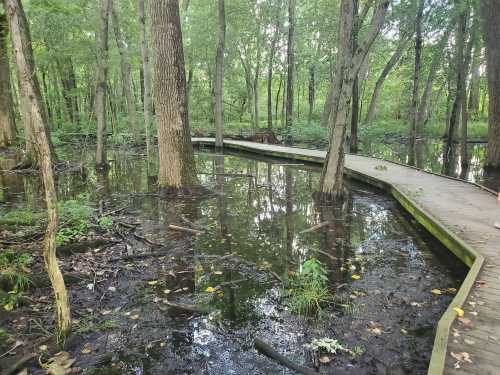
column 183, row 229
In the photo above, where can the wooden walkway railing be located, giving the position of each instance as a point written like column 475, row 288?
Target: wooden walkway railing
column 463, row 217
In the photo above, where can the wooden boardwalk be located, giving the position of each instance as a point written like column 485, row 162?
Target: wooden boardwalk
column 462, row 216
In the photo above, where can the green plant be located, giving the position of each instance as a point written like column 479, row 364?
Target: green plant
column 105, row 222
column 307, row 292
column 14, row 272
column 87, row 324
column 75, row 215
column 326, row 345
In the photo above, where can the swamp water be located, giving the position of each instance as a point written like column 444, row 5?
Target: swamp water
column 380, row 267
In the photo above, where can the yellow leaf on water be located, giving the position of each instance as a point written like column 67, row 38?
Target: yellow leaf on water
column 217, row 272
column 210, row 289
column 153, row 282
column 459, row 311
column 451, row 291
column 355, row 277
column 437, row 292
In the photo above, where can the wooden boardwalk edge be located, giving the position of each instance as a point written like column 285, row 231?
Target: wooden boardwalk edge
column 452, row 242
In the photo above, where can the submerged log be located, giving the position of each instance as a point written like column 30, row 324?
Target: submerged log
column 270, row 352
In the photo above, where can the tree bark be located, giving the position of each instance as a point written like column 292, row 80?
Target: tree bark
column 26, row 70
column 177, row 167
column 146, row 81
column 126, row 74
column 355, row 87
column 219, row 78
column 311, row 92
column 490, row 12
column 475, row 83
column 270, row 66
column 396, row 56
column 7, row 119
column 101, row 159
column 416, row 82
column 256, row 77
column 291, row 67
column 68, row 83
column 332, row 177
column 448, row 163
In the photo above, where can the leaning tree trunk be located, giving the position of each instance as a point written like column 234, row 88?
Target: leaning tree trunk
column 370, row 115
column 416, row 82
column 490, row 12
column 100, row 160
column 146, row 76
column 290, row 75
column 7, row 119
column 332, row 177
column 177, row 166
column 126, row 75
column 219, row 78
column 26, row 71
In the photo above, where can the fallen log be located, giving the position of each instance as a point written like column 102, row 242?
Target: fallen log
column 268, row 350
column 315, row 227
column 183, row 229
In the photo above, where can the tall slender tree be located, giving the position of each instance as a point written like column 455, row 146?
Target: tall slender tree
column 177, row 167
column 219, row 78
column 7, row 119
column 291, row 69
column 102, row 85
column 146, row 75
column 126, row 73
column 25, row 63
column 490, row 13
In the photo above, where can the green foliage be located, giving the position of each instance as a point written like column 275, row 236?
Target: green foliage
column 308, row 292
column 326, row 345
column 105, row 222
column 14, row 270
column 75, row 215
column 22, row 218
column 87, row 324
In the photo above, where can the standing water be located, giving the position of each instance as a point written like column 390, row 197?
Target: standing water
column 153, row 300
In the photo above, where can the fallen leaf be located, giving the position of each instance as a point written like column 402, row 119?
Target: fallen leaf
column 112, row 289
column 466, row 322
column 436, row 292
column 355, row 277
column 473, row 313
column 461, row 357
column 451, row 291
column 87, row 349
column 135, row 317
column 43, row 348
column 210, row 289
column 459, row 311
column 167, row 291
column 497, row 225
column 325, row 359
column 455, row 332
column 404, row 331
column 59, row 364
column 217, row 272
column 469, row 342
column 153, row 282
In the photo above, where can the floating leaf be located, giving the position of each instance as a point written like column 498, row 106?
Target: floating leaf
column 355, row 277
column 167, row 291
column 436, row 292
column 210, row 289
column 217, row 272
column 459, row 311
column 451, row 291
column 153, row 282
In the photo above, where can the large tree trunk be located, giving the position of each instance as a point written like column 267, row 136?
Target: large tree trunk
column 332, row 177
column 403, row 43
column 448, row 162
column 490, row 12
column 416, row 82
column 126, row 74
column 291, row 67
column 25, row 63
column 7, row 119
column 146, row 80
column 177, row 167
column 101, row 160
column 219, row 78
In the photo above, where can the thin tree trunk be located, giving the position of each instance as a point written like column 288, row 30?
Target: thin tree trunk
column 256, row 78
column 7, row 119
column 101, row 160
column 25, row 63
column 396, row 56
column 312, row 93
column 475, row 84
column 416, row 82
column 448, row 163
column 490, row 12
column 276, row 105
column 270, row 66
column 355, row 87
column 146, row 81
column 332, row 177
column 291, row 67
column 126, row 74
column 177, row 166
column 219, row 78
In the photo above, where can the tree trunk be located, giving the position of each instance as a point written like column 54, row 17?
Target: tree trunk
column 490, row 12
column 272, row 53
column 353, row 146
column 403, row 43
column 219, row 78
column 475, row 83
column 7, row 119
column 146, row 81
column 256, row 78
column 101, row 160
column 416, row 82
column 457, row 104
column 68, row 83
column 26, row 70
column 332, row 177
column 177, row 167
column 126, row 74
column 276, row 105
column 291, row 67
column 312, row 93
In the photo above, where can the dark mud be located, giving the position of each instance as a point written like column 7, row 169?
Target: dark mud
column 234, row 272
